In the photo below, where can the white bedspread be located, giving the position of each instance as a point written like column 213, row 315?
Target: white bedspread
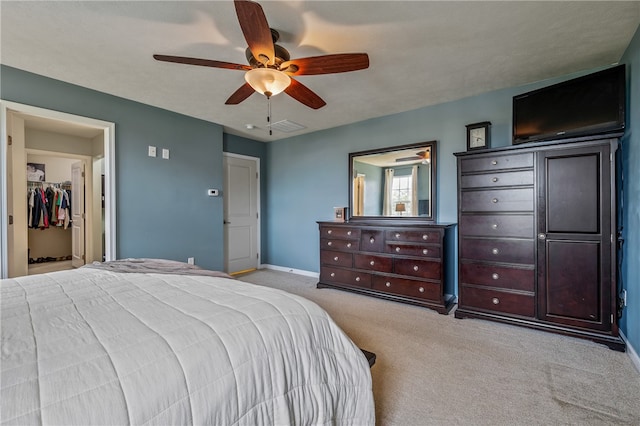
column 92, row 346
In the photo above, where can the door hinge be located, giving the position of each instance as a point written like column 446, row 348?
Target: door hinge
column 611, row 238
column 10, row 219
column 257, row 215
column 611, row 318
column 257, row 175
column 82, row 174
column 257, row 255
column 10, row 142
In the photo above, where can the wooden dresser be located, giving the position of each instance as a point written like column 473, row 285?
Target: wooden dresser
column 536, row 237
column 401, row 261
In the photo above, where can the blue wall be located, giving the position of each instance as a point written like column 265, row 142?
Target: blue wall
column 162, row 206
column 631, row 192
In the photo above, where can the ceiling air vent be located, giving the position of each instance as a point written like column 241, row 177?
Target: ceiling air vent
column 287, row 126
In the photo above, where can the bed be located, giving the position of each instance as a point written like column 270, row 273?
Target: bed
column 162, row 342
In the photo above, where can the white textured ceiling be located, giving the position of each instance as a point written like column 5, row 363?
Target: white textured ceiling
column 421, row 52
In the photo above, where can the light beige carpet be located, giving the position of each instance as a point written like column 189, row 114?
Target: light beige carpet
column 434, row 369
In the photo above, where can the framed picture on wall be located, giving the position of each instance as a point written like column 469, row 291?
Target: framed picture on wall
column 35, row 172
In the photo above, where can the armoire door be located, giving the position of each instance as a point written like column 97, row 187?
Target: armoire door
column 575, row 260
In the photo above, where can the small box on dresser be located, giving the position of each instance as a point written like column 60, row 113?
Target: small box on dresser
column 401, row 261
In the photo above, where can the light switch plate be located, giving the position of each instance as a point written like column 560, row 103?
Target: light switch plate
column 165, row 153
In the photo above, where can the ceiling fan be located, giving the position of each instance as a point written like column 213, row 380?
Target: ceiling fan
column 271, row 68
column 425, row 156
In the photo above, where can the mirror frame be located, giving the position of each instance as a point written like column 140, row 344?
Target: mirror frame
column 433, row 184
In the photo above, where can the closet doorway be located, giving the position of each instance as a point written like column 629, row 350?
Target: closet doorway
column 29, row 134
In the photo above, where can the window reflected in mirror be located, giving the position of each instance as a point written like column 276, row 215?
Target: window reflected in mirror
column 395, row 182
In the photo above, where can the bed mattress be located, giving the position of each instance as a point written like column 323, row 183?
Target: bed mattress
column 97, row 346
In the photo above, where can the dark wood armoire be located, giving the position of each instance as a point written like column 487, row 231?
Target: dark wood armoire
column 537, row 237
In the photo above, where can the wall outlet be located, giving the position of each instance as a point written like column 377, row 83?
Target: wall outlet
column 623, row 297
column 191, row 261
column 152, row 151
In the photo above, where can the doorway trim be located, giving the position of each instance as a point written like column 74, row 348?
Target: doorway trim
column 108, row 131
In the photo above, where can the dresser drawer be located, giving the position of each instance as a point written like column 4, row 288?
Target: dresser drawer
column 373, row 263
column 497, row 200
column 495, row 250
column 418, row 268
column 497, row 276
column 372, row 240
column 497, row 225
column 498, row 301
column 345, row 245
column 489, row 180
column 345, row 276
column 408, row 249
column 405, row 287
column 496, row 162
column 340, row 232
column 414, row 236
column 336, row 258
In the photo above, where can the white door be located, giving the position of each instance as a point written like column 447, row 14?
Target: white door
column 77, row 214
column 241, row 229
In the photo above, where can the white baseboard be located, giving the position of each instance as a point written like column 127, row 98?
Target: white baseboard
column 635, row 359
column 290, row 270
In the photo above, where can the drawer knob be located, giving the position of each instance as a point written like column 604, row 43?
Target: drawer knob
column 495, row 200
column 372, row 263
column 425, row 251
column 495, row 276
column 425, row 236
column 329, row 243
column 397, row 235
column 348, row 232
column 372, row 240
column 494, row 163
column 397, row 249
column 329, row 231
column 357, row 278
column 495, row 300
column 388, row 284
column 415, row 268
column 333, row 274
column 495, row 179
column 494, row 226
column 542, row 237
column 348, row 245
column 421, row 289
column 335, row 258
column 495, row 251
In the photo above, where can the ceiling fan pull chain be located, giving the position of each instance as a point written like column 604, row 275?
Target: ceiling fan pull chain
column 269, row 114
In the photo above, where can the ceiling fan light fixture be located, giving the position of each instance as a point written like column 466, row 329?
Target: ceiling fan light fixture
column 267, row 81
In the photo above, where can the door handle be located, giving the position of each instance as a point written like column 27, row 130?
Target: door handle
column 542, row 236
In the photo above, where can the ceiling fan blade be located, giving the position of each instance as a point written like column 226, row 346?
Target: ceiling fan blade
column 400, row 160
column 303, row 94
column 256, row 30
column 240, row 95
column 201, row 62
column 327, row 64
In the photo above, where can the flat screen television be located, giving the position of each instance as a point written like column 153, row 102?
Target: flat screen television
column 591, row 104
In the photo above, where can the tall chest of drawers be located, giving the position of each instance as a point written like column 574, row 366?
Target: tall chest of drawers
column 404, row 262
column 536, row 237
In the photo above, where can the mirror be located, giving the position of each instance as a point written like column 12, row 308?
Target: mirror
column 396, row 182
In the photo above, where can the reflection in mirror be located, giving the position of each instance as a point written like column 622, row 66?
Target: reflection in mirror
column 395, row 182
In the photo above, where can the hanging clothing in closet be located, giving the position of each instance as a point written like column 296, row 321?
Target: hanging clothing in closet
column 50, row 207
